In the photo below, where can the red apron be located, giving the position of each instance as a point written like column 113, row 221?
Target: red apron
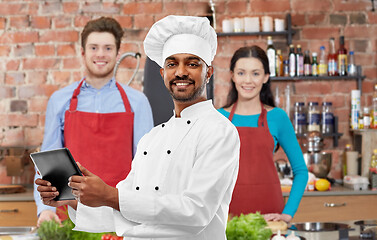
column 258, row 186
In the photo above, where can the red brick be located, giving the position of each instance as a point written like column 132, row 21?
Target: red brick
column 66, row 50
column 13, row 137
column 51, row 7
column 19, row 37
column 317, row 19
column 128, row 47
column 4, row 50
column 30, row 91
column 70, row 7
column 320, row 33
column 311, row 5
column 143, row 21
column 22, row 119
column 364, row 59
column 145, row 8
column 59, row 36
column 370, row 72
column 91, row 7
column 11, row 9
column 33, row 136
column 38, row 104
column 38, row 63
column 111, row 8
column 15, row 78
column 221, row 62
column 314, row 87
column 372, row 16
column 37, row 77
column 177, row 8
column 266, row 6
column 61, row 77
column 351, row 5
column 80, row 21
column 44, row 50
column 40, row 22
column 124, row 21
column 23, row 50
column 62, row 22
column 360, row 31
column 338, row 100
column 221, row 92
column 236, row 7
column 6, row 92
column 298, row 19
column 2, row 23
column 343, row 86
column 197, row 8
column 19, row 22
column 12, row 65
column 72, row 63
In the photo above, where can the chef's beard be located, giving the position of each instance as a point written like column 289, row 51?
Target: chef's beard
column 192, row 96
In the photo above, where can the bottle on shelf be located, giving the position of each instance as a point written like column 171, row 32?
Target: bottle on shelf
column 332, row 60
column 374, row 108
column 314, row 64
column 271, row 54
column 307, row 64
column 360, row 120
column 351, row 65
column 347, row 148
column 279, row 64
column 286, row 68
column 366, row 117
column 314, row 117
column 299, row 118
column 299, row 62
column 292, row 61
column 342, row 58
column 373, row 171
column 327, row 118
column 322, row 67
column 287, row 102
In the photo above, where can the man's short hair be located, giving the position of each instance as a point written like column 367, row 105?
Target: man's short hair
column 103, row 24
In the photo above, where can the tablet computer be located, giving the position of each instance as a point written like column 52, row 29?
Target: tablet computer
column 56, row 166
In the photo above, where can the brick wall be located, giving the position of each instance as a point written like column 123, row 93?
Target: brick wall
column 39, row 50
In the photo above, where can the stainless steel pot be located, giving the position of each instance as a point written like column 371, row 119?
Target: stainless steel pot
column 318, row 163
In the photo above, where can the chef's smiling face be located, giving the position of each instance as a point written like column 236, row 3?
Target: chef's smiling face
column 248, row 77
column 185, row 76
column 100, row 55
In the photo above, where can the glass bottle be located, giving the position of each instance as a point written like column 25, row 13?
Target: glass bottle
column 322, row 67
column 351, row 65
column 299, row 118
column 307, row 64
column 279, row 64
column 292, row 61
column 287, row 102
column 360, row 120
column 374, row 107
column 299, row 62
column 347, row 148
column 286, row 68
column 373, row 171
column 366, row 117
column 314, row 117
column 271, row 54
column 314, row 64
column 327, row 118
column 342, row 58
column 332, row 60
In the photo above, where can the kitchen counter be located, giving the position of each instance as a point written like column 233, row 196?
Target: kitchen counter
column 337, row 190
column 18, row 197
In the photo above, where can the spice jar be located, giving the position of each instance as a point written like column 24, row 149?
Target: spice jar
column 299, row 118
column 314, row 117
column 327, row 118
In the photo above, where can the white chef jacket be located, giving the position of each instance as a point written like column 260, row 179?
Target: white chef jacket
column 180, row 184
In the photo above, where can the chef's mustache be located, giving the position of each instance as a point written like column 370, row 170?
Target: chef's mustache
column 185, row 78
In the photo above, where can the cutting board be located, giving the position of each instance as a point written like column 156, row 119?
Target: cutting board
column 8, row 189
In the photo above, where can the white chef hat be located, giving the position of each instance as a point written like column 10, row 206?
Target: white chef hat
column 181, row 34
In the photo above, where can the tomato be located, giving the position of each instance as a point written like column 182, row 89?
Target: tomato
column 106, row 237
column 114, row 238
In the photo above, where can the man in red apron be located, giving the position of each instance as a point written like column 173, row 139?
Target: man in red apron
column 95, row 114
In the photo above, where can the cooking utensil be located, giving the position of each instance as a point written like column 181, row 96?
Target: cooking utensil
column 123, row 56
column 319, row 163
column 318, row 226
column 16, row 230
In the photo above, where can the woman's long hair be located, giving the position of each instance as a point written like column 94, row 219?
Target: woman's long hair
column 254, row 51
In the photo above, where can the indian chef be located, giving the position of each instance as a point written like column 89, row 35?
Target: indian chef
column 184, row 170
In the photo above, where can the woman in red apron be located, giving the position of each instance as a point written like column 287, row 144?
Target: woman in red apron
column 250, row 101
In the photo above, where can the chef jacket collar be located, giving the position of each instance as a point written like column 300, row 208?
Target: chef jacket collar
column 109, row 84
column 196, row 109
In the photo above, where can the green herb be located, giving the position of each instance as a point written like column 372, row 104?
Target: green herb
column 248, row 227
column 52, row 230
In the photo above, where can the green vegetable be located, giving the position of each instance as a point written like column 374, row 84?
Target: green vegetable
column 248, row 227
column 52, row 230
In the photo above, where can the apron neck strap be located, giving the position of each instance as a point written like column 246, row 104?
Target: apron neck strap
column 74, row 100
column 261, row 119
